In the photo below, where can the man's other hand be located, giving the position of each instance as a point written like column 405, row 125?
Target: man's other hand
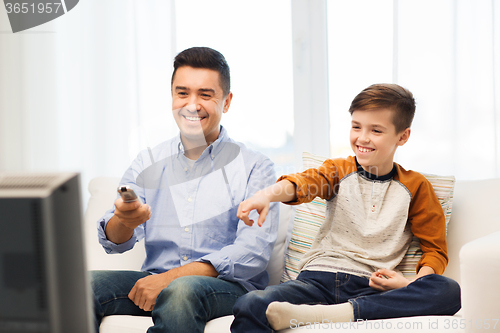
column 147, row 289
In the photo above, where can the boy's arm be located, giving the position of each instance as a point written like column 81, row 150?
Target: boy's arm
column 428, row 225
column 282, row 191
column 298, row 188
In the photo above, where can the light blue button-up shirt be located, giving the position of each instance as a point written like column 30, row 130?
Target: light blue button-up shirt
column 194, row 210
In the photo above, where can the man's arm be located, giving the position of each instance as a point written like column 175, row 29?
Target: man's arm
column 147, row 289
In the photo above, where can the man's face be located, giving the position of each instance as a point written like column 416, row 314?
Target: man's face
column 198, row 104
column 374, row 139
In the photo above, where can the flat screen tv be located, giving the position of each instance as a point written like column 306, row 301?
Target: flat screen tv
column 43, row 277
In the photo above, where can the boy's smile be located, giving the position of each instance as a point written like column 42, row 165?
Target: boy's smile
column 374, row 139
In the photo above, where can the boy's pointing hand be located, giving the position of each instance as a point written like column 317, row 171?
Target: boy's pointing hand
column 259, row 202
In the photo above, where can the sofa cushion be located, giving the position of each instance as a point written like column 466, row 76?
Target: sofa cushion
column 310, row 216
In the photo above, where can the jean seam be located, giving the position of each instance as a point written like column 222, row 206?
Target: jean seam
column 355, row 309
column 222, row 293
column 114, row 299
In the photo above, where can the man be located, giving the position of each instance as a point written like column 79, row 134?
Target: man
column 199, row 257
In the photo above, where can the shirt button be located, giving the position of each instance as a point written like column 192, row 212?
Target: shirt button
column 186, row 229
column 189, row 199
column 185, row 258
column 185, row 169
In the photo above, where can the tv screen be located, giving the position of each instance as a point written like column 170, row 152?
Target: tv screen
column 43, row 278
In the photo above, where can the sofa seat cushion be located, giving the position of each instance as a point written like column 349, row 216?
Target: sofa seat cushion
column 422, row 324
column 138, row 324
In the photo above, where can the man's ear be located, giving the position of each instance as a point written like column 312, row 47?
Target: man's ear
column 227, row 102
column 404, row 136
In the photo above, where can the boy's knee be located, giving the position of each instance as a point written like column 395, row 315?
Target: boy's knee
column 447, row 285
column 444, row 288
column 251, row 301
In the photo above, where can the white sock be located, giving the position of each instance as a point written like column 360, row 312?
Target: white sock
column 283, row 315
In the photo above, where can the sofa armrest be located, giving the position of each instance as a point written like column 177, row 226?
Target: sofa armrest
column 479, row 269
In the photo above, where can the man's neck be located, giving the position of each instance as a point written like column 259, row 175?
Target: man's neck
column 194, row 148
column 194, row 153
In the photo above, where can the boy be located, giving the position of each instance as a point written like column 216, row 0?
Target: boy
column 374, row 206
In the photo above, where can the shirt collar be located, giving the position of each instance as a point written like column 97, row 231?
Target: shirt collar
column 371, row 176
column 212, row 149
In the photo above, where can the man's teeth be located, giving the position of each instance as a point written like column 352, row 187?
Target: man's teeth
column 193, row 118
column 364, row 150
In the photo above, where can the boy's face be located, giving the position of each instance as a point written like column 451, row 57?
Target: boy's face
column 374, row 139
column 198, row 103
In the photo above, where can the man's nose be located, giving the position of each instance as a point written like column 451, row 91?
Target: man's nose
column 193, row 106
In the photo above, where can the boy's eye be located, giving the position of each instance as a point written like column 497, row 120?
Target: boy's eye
column 377, row 131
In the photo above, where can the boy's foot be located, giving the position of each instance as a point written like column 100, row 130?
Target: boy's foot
column 283, row 315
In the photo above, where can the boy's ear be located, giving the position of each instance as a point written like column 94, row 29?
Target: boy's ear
column 404, row 136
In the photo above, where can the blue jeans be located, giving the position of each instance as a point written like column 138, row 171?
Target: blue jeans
column 429, row 295
column 186, row 305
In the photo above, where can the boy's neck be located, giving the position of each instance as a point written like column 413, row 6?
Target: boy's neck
column 372, row 173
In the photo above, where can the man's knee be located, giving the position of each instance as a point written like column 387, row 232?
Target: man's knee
column 183, row 290
column 99, row 281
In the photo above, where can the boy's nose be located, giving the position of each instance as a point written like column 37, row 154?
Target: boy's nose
column 364, row 138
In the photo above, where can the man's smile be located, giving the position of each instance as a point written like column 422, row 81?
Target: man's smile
column 193, row 118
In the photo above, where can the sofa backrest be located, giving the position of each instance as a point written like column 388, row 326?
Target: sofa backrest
column 476, row 206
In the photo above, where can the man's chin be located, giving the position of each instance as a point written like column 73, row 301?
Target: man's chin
column 193, row 136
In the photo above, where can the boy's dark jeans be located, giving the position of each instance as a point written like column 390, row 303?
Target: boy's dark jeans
column 429, row 295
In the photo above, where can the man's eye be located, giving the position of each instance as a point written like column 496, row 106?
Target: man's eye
column 206, row 96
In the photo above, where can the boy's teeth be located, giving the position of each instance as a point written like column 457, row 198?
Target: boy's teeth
column 193, row 118
column 364, row 150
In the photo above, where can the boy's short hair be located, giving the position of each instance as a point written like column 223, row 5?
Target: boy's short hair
column 205, row 57
column 387, row 96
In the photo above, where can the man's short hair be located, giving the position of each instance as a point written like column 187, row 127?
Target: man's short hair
column 387, row 96
column 205, row 57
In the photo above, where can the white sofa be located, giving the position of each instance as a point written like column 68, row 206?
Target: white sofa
column 473, row 245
